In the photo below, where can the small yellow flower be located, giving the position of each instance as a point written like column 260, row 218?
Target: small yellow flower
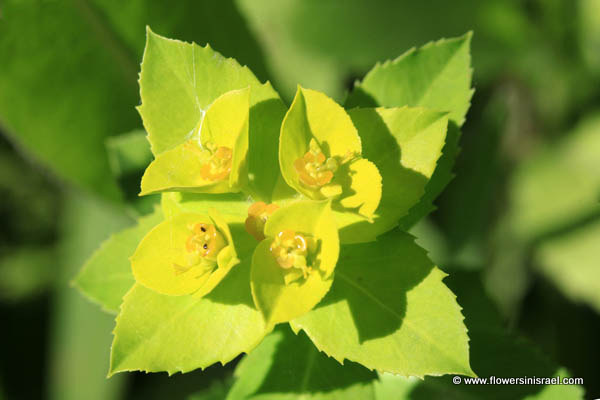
column 218, row 166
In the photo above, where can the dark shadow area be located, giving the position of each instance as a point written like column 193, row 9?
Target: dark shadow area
column 235, row 287
column 381, row 148
column 24, row 328
column 377, row 299
column 470, row 201
column 442, row 175
column 144, row 386
column 298, row 367
column 360, row 98
column 263, row 161
column 567, row 331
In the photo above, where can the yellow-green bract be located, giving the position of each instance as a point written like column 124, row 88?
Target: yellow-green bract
column 162, row 262
column 320, row 155
column 280, row 300
column 213, row 159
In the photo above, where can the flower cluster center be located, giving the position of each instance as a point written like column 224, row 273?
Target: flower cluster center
column 218, row 165
column 205, row 241
column 314, row 168
column 290, row 249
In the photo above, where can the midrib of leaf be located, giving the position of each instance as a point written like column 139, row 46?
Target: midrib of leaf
column 432, row 83
column 369, row 295
column 404, row 321
column 109, row 38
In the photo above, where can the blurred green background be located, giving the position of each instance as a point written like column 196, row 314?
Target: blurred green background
column 521, row 217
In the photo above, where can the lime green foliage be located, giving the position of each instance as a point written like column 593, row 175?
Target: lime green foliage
column 389, row 310
column 320, row 155
column 156, row 332
column 405, row 144
column 213, row 159
column 437, row 76
column 179, row 81
column 570, row 261
column 264, row 374
column 283, row 292
column 189, row 253
column 566, row 173
column 494, row 352
column 106, row 276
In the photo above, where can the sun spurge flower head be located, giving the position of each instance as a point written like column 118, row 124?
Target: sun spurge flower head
column 213, row 159
column 320, row 155
column 292, row 268
column 189, row 253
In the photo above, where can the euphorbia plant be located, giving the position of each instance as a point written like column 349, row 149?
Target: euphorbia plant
column 272, row 215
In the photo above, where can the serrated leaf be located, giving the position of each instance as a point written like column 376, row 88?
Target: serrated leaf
column 283, row 293
column 494, row 353
column 441, row 177
column 436, row 76
column 570, row 261
column 178, row 83
column 319, row 155
column 156, row 332
column 444, row 76
column 405, row 144
column 288, row 366
column 396, row 316
column 107, row 276
column 169, row 261
column 188, row 166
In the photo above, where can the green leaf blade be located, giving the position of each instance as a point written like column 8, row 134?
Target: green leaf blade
column 396, row 317
column 181, row 333
column 437, row 75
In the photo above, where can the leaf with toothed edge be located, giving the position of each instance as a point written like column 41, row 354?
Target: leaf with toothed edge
column 179, row 81
column 156, row 332
column 396, row 316
column 438, row 76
